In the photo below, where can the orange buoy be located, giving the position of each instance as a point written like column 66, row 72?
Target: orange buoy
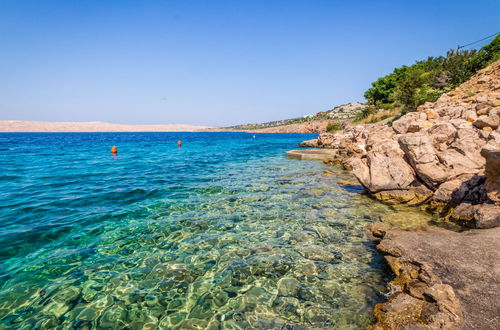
column 179, row 143
column 114, row 150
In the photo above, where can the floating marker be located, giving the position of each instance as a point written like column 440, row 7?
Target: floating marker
column 179, row 143
column 114, row 150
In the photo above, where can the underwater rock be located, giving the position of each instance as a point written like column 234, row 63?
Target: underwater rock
column 315, row 252
column 113, row 317
column 288, row 307
column 317, row 315
column 288, row 287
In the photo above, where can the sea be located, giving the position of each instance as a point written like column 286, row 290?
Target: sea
column 224, row 232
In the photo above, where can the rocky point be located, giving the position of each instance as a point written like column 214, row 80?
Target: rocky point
column 444, row 157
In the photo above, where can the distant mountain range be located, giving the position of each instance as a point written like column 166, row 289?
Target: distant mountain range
column 90, row 126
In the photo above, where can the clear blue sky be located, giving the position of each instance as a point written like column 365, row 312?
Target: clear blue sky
column 214, row 62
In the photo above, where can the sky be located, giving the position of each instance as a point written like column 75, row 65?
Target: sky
column 214, row 62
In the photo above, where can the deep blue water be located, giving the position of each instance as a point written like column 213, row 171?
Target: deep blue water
column 224, row 232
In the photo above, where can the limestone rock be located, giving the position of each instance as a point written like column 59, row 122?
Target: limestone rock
column 441, row 276
column 444, row 192
column 422, row 156
column 414, row 195
column 491, row 153
column 383, row 168
column 491, row 120
column 309, row 143
column 411, row 122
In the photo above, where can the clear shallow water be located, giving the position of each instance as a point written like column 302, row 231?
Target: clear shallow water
column 225, row 232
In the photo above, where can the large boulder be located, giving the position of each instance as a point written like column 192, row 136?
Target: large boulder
column 491, row 153
column 436, row 159
column 445, row 191
column 383, row 168
column 422, row 156
column 477, row 216
column 411, row 122
column 492, row 119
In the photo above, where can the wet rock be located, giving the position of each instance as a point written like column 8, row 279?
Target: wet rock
column 88, row 314
column 343, row 182
column 102, row 302
column 402, row 310
column 415, row 195
column 306, row 268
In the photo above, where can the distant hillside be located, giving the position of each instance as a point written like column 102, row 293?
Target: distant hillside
column 90, row 126
column 342, row 112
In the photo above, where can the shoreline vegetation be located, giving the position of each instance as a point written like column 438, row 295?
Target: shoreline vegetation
column 439, row 153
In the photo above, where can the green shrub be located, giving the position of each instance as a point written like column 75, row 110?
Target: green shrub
column 369, row 110
column 332, row 127
column 409, row 86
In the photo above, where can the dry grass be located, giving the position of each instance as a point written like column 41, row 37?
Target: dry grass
column 379, row 116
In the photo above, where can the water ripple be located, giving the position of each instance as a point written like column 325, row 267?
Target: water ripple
column 224, row 232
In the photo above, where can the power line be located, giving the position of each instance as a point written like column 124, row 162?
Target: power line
column 475, row 42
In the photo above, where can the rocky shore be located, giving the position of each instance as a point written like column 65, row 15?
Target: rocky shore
column 444, row 280
column 445, row 157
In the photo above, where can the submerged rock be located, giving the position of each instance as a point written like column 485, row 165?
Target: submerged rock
column 288, row 287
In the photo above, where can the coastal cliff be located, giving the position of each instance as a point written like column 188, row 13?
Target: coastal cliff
column 445, row 158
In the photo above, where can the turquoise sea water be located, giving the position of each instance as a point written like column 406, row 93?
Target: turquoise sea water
column 223, row 233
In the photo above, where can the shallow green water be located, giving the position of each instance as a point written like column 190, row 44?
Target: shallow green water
column 223, row 233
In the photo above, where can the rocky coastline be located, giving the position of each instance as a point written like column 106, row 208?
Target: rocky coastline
column 444, row 158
